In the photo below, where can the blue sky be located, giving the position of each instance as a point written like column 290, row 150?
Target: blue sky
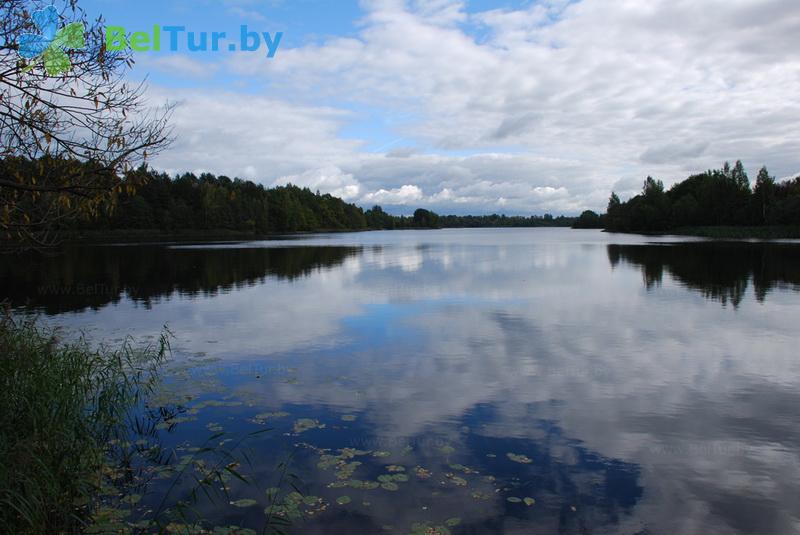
column 301, row 23
column 476, row 105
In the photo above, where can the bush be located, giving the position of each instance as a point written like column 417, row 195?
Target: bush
column 63, row 404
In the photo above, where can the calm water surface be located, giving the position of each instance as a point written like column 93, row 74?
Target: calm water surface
column 626, row 384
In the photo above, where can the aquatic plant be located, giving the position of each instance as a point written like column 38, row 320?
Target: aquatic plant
column 65, row 407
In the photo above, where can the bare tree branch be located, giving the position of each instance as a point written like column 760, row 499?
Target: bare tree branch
column 89, row 114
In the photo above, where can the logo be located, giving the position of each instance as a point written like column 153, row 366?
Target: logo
column 51, row 44
column 118, row 38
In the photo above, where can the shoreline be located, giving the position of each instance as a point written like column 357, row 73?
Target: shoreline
column 726, row 233
column 105, row 237
column 101, row 237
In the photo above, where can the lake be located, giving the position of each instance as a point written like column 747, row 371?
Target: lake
column 464, row 381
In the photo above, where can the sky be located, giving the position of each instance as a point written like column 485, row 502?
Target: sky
column 476, row 106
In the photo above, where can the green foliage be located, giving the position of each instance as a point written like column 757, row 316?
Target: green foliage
column 378, row 219
column 64, row 404
column 589, row 219
column 208, row 202
column 504, row 221
column 764, row 197
column 150, row 201
column 714, row 198
column 425, row 218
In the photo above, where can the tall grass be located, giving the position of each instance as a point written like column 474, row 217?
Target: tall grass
column 62, row 403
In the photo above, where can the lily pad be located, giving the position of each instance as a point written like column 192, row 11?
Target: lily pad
column 452, row 522
column 247, row 502
column 514, row 499
column 217, row 403
column 529, row 501
column 462, row 468
column 389, row 485
column 456, row 480
column 518, row 458
column 343, row 500
column 425, row 528
column 233, row 530
column 310, row 500
column 422, row 473
column 349, row 418
column 270, row 415
column 305, row 424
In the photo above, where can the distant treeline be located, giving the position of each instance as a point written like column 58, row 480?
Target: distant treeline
column 378, row 219
column 721, row 197
column 158, row 202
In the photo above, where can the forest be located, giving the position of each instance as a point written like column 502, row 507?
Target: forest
column 147, row 200
column 715, row 198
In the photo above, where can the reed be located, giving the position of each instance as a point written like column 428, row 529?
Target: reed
column 63, row 403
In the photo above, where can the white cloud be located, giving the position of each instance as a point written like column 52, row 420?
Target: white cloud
column 402, row 195
column 234, row 134
column 580, row 96
column 329, row 179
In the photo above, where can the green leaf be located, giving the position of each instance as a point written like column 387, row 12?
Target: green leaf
column 518, row 458
column 71, row 36
column 56, row 61
column 343, row 500
column 244, row 503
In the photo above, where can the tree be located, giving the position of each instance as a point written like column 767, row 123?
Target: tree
column 720, row 197
column 589, row 219
column 652, row 187
column 425, row 218
column 376, row 218
column 614, row 216
column 764, row 195
column 685, row 211
column 739, row 177
column 613, row 202
column 64, row 100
